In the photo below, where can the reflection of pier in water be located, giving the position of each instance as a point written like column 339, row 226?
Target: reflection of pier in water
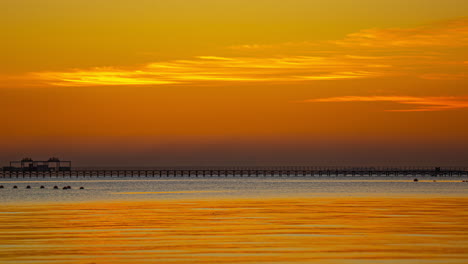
column 296, row 171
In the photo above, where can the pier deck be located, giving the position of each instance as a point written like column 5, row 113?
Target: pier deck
column 242, row 172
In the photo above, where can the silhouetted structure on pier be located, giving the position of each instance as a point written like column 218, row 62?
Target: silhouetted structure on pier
column 28, row 165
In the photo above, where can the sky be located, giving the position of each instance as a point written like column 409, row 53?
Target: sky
column 235, row 82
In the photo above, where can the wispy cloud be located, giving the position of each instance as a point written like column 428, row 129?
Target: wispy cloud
column 435, row 51
column 451, row 33
column 215, row 68
column 418, row 104
column 446, row 33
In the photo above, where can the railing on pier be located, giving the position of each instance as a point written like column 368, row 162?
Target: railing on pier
column 296, row 171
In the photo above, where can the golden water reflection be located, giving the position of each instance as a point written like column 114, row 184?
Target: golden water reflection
column 322, row 230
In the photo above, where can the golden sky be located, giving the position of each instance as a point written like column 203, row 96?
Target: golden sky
column 235, row 81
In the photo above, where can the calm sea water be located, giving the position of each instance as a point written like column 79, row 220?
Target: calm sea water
column 235, row 220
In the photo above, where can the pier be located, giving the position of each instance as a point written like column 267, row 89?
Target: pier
column 218, row 172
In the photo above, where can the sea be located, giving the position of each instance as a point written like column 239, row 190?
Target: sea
column 330, row 220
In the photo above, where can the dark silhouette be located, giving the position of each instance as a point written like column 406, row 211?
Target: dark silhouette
column 415, row 180
column 42, row 187
column 55, row 187
column 39, row 169
column 29, row 165
column 28, row 187
column 15, row 187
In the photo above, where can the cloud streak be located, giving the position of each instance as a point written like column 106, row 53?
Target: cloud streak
column 451, row 33
column 435, row 52
column 211, row 68
column 418, row 104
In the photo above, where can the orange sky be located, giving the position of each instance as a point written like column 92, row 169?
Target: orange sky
column 235, row 82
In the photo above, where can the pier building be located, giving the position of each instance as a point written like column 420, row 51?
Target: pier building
column 30, row 165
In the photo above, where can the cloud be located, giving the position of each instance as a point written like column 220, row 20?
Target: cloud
column 446, row 33
column 451, row 33
column 419, row 104
column 435, row 51
column 100, row 76
column 215, row 68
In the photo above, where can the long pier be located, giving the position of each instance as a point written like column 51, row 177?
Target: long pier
column 166, row 172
